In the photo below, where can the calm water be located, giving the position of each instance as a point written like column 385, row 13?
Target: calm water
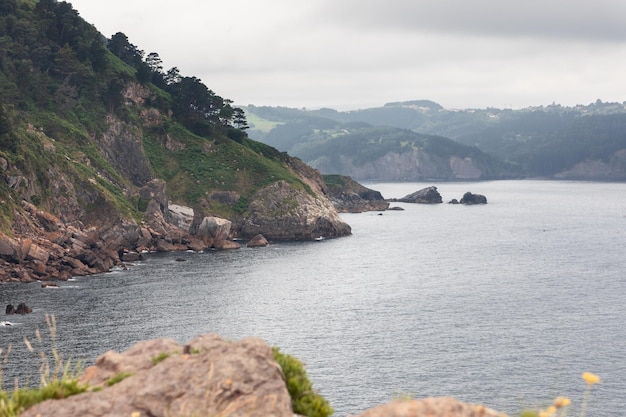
column 504, row 304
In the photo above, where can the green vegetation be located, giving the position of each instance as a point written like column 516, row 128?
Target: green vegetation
column 58, row 379
column 160, row 358
column 304, row 399
column 14, row 402
column 118, row 378
column 104, row 116
column 540, row 141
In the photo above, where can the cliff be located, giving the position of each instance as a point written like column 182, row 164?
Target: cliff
column 102, row 156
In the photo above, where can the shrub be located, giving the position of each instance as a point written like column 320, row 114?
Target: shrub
column 304, row 399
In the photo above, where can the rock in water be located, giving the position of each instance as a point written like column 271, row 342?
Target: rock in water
column 469, row 198
column 258, row 241
column 428, row 195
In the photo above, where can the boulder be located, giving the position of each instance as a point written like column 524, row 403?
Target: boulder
column 469, row 198
column 10, row 310
column 213, row 229
column 181, row 216
column 207, row 377
column 428, row 195
column 257, row 242
column 430, row 407
column 36, row 252
column 22, row 308
column 10, row 250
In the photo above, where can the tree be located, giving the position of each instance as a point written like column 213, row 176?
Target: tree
column 172, row 76
column 239, row 119
column 126, row 51
column 154, row 63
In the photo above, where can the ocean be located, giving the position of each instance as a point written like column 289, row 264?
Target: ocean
column 504, row 304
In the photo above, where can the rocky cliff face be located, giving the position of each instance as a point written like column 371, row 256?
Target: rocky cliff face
column 80, row 204
column 414, row 165
column 280, row 212
column 596, row 170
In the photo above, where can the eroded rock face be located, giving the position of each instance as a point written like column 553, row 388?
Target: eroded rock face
column 206, row 377
column 428, row 195
column 282, row 212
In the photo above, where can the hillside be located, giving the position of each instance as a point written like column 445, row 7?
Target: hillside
column 97, row 141
column 581, row 142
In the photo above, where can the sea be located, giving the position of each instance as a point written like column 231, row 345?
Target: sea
column 504, row 304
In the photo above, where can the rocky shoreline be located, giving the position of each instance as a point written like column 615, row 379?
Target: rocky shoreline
column 44, row 248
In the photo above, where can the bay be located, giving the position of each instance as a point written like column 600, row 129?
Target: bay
column 504, row 304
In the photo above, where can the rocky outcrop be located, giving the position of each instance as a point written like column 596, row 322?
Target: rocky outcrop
column 209, row 376
column 283, row 212
column 469, row 198
column 430, row 407
column 348, row 196
column 428, row 195
column 22, row 309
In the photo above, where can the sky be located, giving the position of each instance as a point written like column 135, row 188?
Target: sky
column 351, row 54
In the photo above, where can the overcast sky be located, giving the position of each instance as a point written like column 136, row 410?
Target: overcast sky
column 350, row 54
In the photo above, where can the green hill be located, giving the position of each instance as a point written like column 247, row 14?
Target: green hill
column 88, row 124
column 581, row 142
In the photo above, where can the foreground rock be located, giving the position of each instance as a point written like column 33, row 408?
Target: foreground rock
column 428, row 195
column 430, row 407
column 207, row 377
column 348, row 196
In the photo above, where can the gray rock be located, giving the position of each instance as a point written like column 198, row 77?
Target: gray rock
column 469, row 198
column 428, row 195
column 283, row 212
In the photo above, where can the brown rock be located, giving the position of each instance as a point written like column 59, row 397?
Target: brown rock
column 258, row 241
column 226, row 245
column 9, row 248
column 37, row 253
column 196, row 245
column 216, row 378
column 430, row 407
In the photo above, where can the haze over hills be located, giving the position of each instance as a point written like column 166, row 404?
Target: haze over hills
column 585, row 142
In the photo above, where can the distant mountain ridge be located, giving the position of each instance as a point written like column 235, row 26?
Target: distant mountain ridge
column 581, row 142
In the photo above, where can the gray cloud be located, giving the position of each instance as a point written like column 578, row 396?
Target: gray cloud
column 599, row 20
column 362, row 53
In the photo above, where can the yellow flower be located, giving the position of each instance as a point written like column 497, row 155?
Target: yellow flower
column 560, row 402
column 543, row 413
column 135, row 414
column 590, row 378
column 551, row 410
